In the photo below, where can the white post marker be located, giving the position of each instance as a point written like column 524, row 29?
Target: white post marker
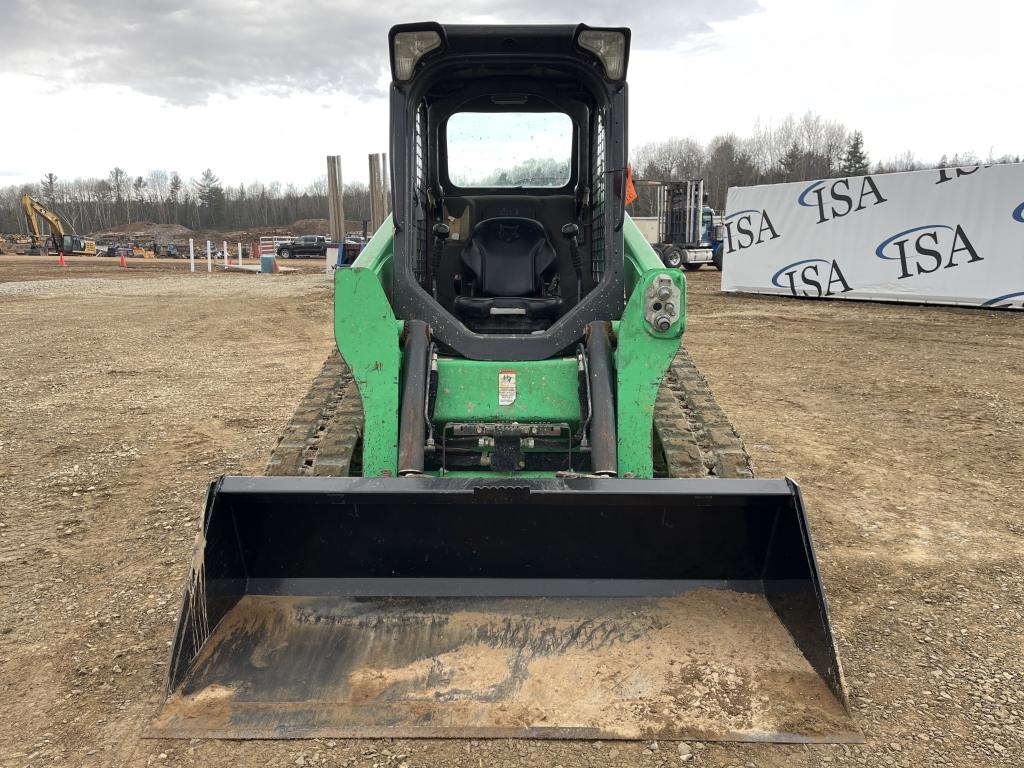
column 192, row 254
column 209, row 258
column 239, row 254
column 224, row 250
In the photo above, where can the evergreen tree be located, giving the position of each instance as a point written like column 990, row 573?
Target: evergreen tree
column 855, row 161
column 174, row 189
column 792, row 162
column 48, row 189
column 211, row 196
column 174, row 195
column 118, row 182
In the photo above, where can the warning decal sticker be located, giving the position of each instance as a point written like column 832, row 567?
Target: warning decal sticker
column 506, row 387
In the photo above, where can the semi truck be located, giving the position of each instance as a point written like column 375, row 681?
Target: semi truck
column 690, row 232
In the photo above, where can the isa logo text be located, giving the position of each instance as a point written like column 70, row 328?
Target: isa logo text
column 815, row 278
column 840, row 198
column 928, row 248
column 745, row 229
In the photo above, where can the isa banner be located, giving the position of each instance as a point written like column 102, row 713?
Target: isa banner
column 946, row 236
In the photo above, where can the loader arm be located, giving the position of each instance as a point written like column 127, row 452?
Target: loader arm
column 370, row 342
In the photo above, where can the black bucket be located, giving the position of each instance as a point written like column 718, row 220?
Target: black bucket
column 560, row 608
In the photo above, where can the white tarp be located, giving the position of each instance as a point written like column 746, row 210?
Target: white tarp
column 948, row 236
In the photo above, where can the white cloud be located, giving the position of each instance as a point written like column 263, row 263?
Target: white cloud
column 187, row 51
column 265, row 91
column 910, row 74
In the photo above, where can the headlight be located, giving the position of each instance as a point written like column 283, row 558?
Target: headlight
column 410, row 47
column 609, row 45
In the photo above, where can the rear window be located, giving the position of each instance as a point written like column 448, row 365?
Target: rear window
column 509, row 149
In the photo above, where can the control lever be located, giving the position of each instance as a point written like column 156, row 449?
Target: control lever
column 441, row 232
column 571, row 232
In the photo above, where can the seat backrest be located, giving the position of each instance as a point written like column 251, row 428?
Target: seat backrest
column 509, row 256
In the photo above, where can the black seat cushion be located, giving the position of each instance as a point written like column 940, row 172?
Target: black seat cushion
column 508, row 259
column 546, row 307
column 509, row 256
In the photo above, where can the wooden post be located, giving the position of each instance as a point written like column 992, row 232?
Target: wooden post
column 192, row 254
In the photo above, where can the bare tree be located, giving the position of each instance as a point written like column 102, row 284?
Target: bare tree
column 808, row 147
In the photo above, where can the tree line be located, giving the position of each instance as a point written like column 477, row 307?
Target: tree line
column 92, row 205
column 795, row 149
column 533, row 172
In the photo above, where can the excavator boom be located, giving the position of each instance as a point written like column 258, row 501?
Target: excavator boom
column 69, row 242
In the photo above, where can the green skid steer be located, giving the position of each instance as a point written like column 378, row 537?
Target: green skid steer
column 476, row 526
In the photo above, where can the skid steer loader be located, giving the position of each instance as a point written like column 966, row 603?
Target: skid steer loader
column 510, row 506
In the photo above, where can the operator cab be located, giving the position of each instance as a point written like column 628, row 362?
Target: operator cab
column 508, row 181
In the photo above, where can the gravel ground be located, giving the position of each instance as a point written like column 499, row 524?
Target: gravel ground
column 904, row 425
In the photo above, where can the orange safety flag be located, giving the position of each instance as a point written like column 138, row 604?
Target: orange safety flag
column 630, row 189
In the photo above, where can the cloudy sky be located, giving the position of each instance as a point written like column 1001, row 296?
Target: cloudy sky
column 261, row 89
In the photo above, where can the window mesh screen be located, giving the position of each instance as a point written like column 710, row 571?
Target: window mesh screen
column 422, row 202
column 597, row 197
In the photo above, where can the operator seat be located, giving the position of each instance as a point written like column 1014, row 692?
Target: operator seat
column 507, row 264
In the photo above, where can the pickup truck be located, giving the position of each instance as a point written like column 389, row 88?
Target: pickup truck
column 307, row 245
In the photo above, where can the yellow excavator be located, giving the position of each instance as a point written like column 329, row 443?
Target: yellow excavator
column 68, row 242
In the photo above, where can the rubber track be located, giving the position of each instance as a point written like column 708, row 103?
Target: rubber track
column 695, row 434
column 696, row 437
column 324, row 431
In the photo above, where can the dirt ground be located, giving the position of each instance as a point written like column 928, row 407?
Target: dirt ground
column 123, row 397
